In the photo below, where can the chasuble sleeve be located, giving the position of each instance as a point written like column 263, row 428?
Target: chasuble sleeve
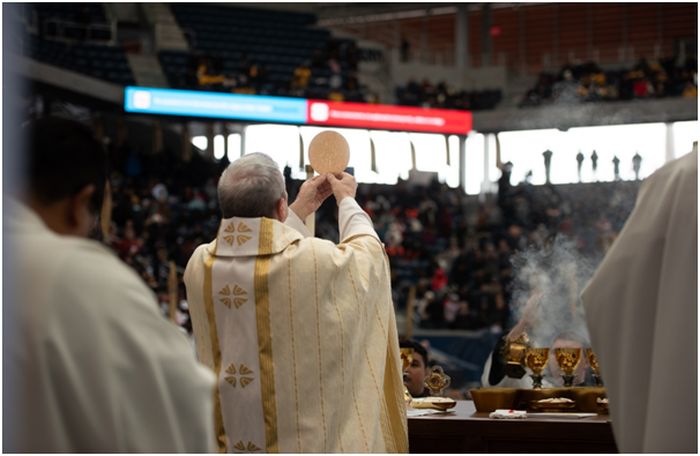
column 641, row 310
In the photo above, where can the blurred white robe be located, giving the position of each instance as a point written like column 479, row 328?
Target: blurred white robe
column 90, row 364
column 641, row 308
column 302, row 335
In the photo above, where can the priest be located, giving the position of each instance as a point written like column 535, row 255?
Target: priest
column 641, row 308
column 89, row 363
column 301, row 332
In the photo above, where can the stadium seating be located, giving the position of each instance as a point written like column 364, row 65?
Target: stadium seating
column 279, row 41
column 590, row 83
column 76, row 48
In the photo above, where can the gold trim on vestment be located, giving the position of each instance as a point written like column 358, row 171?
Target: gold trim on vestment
column 397, row 422
column 354, row 394
column 294, row 351
column 342, row 354
column 318, row 348
column 262, row 314
column 216, row 351
column 386, row 420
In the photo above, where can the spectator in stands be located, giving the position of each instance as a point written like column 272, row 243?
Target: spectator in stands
column 547, row 154
column 636, row 165
column 579, row 164
column 690, row 90
column 565, row 89
column 300, row 81
column 616, row 167
column 208, row 77
column 405, row 50
column 594, row 162
column 92, row 365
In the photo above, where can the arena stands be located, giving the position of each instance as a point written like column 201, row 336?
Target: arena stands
column 77, row 21
column 441, row 96
column 244, row 50
column 73, row 36
column 590, row 83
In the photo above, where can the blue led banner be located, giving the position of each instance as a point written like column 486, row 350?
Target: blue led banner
column 192, row 103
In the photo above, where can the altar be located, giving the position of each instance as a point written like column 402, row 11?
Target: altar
column 464, row 430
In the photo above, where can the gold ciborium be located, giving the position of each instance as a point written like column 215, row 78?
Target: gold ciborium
column 437, row 380
column 514, row 353
column 593, row 362
column 568, row 359
column 536, row 360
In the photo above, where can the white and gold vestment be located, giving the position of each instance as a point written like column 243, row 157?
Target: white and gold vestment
column 302, row 335
column 641, row 307
column 90, row 363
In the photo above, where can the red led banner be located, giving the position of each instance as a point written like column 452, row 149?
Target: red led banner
column 386, row 117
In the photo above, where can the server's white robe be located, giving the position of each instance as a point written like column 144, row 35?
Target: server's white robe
column 641, row 310
column 90, row 364
column 302, row 335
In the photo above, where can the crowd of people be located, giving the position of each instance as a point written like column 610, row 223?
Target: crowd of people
column 457, row 251
column 590, row 83
column 454, row 249
column 330, row 73
column 441, row 95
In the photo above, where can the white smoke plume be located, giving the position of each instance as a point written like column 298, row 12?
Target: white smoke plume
column 557, row 272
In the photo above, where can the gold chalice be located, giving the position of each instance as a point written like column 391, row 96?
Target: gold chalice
column 437, row 380
column 593, row 362
column 568, row 359
column 536, row 360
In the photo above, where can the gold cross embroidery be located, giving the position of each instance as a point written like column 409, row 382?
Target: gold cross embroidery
column 240, row 238
column 237, row 297
column 243, row 371
column 243, row 448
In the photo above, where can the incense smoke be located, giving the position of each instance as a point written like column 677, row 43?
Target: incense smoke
column 559, row 272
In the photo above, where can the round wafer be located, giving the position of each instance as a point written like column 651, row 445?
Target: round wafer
column 329, row 152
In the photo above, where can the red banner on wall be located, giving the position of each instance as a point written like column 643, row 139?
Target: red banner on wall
column 387, row 117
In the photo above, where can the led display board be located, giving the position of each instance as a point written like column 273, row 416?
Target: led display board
column 260, row 108
column 388, row 117
column 192, row 103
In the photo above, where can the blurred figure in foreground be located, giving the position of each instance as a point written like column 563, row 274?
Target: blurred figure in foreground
column 92, row 365
column 641, row 307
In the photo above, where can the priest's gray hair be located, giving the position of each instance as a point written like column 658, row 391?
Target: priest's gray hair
column 251, row 187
